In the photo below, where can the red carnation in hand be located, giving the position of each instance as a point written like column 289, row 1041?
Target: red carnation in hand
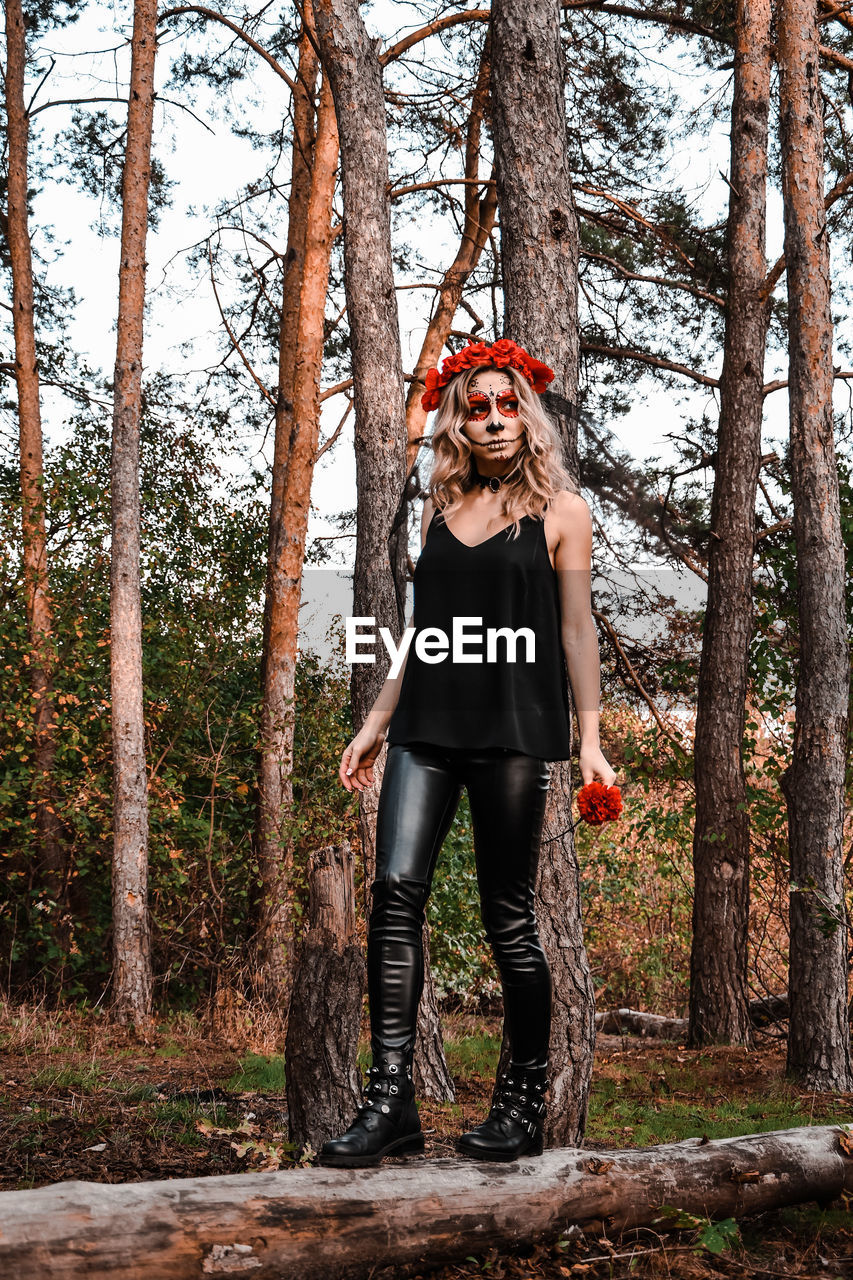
column 598, row 803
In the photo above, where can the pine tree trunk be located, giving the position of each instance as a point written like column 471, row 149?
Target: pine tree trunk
column 273, row 796
column 813, row 783
column 276, row 947
column 350, row 58
column 719, row 999
column 479, row 221
column 325, row 1009
column 539, row 251
column 52, row 868
column 131, row 925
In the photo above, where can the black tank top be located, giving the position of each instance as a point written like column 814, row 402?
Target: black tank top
column 522, row 705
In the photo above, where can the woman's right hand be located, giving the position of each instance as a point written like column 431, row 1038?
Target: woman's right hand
column 356, row 771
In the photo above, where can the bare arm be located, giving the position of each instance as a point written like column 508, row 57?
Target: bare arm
column 379, row 716
column 356, row 769
column 573, row 562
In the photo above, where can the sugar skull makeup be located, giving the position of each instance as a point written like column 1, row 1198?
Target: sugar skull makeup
column 481, row 399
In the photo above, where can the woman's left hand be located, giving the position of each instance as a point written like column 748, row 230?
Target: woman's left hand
column 593, row 765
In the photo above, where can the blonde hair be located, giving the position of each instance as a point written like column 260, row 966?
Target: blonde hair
column 540, row 473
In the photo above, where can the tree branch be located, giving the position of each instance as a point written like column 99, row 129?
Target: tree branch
column 236, row 345
column 636, row 216
column 778, row 269
column 662, row 280
column 214, row 16
column 645, row 357
column 840, row 375
column 440, row 24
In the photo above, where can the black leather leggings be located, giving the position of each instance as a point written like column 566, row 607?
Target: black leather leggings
column 421, row 788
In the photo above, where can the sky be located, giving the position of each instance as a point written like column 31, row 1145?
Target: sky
column 207, row 162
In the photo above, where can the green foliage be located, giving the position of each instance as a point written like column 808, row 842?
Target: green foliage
column 203, row 569
column 711, row 1236
column 90, row 154
column 459, row 953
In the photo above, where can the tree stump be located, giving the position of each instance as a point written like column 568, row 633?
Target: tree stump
column 323, row 1087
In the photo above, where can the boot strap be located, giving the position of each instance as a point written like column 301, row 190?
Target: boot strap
column 521, row 1100
column 379, row 1086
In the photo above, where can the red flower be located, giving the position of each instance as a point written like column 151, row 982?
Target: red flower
column 502, row 354
column 598, row 803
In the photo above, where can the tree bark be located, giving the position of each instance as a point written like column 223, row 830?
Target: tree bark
column 719, row 997
column 276, row 942
column 52, row 868
column 539, row 251
column 318, row 1224
column 479, row 221
column 813, row 783
column 325, row 1009
column 132, row 980
column 350, row 58
column 274, row 794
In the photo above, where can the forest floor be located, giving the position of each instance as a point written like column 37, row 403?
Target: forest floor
column 79, row 1100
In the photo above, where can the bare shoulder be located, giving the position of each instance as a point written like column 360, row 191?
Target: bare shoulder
column 570, row 512
column 571, row 523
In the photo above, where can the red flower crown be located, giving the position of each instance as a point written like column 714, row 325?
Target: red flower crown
column 477, row 355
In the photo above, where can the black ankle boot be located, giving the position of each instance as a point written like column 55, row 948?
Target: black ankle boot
column 513, row 1127
column 387, row 1122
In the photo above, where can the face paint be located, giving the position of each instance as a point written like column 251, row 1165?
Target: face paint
column 481, row 398
column 507, row 402
column 478, row 406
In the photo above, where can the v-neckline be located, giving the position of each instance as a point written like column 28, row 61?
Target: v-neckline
column 471, row 546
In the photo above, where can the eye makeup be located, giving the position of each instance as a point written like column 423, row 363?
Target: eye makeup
column 479, row 404
column 507, row 402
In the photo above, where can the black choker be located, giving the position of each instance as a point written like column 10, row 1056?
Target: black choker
column 493, row 482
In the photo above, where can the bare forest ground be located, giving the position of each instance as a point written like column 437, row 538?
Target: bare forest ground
column 79, row 1099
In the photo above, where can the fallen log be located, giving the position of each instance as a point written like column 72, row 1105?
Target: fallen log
column 313, row 1223
column 632, row 1022
column 763, row 1012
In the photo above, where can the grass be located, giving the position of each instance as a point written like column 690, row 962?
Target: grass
column 655, row 1100
column 169, row 1051
column 473, row 1055
column 84, row 1079
column 176, row 1121
column 641, row 1104
column 258, row 1073
column 136, row 1093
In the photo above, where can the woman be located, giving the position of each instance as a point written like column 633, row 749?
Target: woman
column 506, row 544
